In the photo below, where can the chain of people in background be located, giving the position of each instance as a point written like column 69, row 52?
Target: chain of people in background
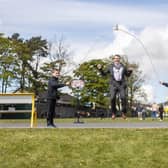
column 157, row 111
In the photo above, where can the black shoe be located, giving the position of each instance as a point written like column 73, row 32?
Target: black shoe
column 113, row 116
column 51, row 126
column 124, row 116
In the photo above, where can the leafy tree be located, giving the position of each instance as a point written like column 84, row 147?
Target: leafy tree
column 28, row 55
column 22, row 62
column 135, row 82
column 38, row 51
column 7, row 63
column 21, row 53
column 59, row 53
column 59, row 57
column 97, row 87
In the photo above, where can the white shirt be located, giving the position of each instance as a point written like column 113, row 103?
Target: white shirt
column 117, row 70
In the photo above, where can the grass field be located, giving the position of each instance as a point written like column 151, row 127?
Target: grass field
column 87, row 120
column 83, row 148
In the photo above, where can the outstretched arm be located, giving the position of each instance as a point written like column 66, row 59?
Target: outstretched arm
column 56, row 84
column 164, row 83
column 129, row 72
column 103, row 72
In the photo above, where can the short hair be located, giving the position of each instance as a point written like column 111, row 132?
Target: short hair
column 55, row 69
column 117, row 55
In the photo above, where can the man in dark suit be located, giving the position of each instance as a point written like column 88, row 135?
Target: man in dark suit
column 52, row 96
column 117, row 72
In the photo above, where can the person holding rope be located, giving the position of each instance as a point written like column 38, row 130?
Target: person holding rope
column 164, row 83
column 52, row 96
column 118, row 85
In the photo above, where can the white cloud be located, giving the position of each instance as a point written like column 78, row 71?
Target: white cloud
column 153, row 61
column 149, row 90
column 80, row 13
column 48, row 17
column 154, row 40
column 154, row 65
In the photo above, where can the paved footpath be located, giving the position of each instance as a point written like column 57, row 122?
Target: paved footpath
column 154, row 124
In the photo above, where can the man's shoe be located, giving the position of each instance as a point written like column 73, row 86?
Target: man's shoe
column 49, row 126
column 124, row 116
column 113, row 116
column 53, row 125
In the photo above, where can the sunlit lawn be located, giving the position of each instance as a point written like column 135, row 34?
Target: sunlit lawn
column 86, row 120
column 86, row 148
column 83, row 148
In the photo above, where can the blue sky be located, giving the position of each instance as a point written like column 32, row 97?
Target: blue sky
column 88, row 25
column 77, row 18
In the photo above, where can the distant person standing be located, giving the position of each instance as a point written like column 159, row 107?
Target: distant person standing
column 143, row 113
column 161, row 108
column 52, row 97
column 118, row 72
column 139, row 111
column 161, row 111
column 154, row 110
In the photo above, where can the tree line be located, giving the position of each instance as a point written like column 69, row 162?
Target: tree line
column 25, row 65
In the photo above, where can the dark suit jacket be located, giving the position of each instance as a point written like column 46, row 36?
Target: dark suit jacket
column 53, row 85
column 109, row 70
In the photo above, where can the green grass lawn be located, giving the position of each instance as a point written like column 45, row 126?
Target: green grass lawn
column 86, row 120
column 83, row 148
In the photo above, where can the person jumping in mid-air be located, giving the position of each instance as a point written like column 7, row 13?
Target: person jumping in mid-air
column 117, row 72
